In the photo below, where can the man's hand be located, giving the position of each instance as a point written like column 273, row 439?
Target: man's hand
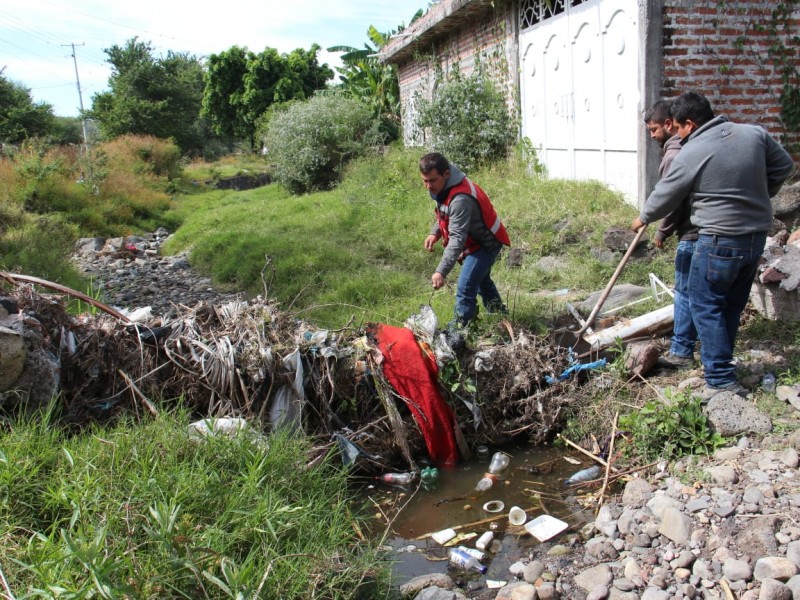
column 637, row 224
column 429, row 243
column 658, row 242
column 437, row 280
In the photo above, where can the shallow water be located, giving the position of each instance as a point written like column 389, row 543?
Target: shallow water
column 533, row 480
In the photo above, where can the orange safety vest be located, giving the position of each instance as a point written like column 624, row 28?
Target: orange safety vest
column 489, row 215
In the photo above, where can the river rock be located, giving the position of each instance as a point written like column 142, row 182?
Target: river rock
column 416, row 585
column 774, row 567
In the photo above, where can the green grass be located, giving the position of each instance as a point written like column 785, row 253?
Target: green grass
column 356, row 251
column 140, row 510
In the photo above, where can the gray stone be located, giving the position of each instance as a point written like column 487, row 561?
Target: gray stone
column 437, row 593
column 772, row 589
column 533, row 570
column 599, row 592
column 653, row 593
column 637, row 492
column 417, row 584
column 735, row 570
column 722, row 474
column 591, row 578
column 675, row 525
column 774, row 567
column 793, row 552
column 731, row 415
column 524, row 592
column 790, row 458
column 659, row 503
column 547, row 591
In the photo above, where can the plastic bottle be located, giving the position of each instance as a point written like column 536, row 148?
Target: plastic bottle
column 486, row 482
column 397, row 478
column 499, row 463
column 484, row 541
column 429, row 476
column 768, row 382
column 462, row 559
column 473, row 552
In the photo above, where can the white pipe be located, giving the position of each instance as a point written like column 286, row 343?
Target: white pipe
column 650, row 323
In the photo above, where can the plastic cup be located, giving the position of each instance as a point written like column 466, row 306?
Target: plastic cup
column 517, row 516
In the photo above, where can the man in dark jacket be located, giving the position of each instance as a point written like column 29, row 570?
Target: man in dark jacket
column 471, row 233
column 729, row 171
column 684, row 335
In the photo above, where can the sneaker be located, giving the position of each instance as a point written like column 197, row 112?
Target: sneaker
column 709, row 392
column 673, row 361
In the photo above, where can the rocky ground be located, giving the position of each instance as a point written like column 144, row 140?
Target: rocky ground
column 725, row 526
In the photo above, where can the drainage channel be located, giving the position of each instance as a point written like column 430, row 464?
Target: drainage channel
column 533, row 481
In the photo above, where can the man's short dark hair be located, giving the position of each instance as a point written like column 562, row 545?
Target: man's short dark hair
column 691, row 106
column 433, row 160
column 658, row 113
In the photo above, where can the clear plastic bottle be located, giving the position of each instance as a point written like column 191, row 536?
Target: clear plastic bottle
column 484, row 541
column 486, row 482
column 499, row 463
column 397, row 478
column 473, row 552
column 462, row 559
column 769, row 382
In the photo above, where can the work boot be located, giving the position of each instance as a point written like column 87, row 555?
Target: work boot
column 709, row 392
column 673, row 361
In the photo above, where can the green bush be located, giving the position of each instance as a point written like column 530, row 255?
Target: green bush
column 309, row 144
column 670, row 431
column 467, row 120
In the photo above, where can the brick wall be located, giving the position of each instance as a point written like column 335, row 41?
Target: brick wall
column 491, row 41
column 721, row 49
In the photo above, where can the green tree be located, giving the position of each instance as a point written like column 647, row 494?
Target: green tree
column 467, row 119
column 20, row 116
column 363, row 76
column 242, row 85
column 223, row 95
column 152, row 96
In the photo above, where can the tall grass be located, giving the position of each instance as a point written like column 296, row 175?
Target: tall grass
column 143, row 511
column 356, row 251
column 50, row 196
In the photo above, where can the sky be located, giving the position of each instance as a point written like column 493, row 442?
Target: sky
column 36, row 36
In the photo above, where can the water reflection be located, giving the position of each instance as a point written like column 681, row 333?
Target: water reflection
column 533, row 480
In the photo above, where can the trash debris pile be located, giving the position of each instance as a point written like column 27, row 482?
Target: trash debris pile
column 352, row 388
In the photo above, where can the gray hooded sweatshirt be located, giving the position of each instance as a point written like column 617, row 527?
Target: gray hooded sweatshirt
column 728, row 171
column 465, row 220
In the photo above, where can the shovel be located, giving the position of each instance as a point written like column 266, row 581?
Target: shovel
column 601, row 300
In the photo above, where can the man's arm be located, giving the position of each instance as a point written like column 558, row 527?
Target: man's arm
column 457, row 228
column 779, row 166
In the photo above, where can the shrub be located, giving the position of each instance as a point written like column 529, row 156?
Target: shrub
column 145, row 154
column 309, row 144
column 467, row 120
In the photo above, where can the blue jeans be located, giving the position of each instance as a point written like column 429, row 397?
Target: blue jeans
column 684, row 334
column 476, row 278
column 720, row 278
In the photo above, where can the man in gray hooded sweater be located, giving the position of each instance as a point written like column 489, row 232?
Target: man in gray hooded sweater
column 471, row 232
column 729, row 172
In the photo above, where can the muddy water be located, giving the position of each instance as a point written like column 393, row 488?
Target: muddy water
column 533, row 480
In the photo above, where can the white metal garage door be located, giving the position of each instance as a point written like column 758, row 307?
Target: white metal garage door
column 579, row 88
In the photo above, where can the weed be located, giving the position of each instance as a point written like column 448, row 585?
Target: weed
column 670, row 431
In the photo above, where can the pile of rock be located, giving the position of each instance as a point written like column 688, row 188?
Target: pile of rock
column 725, row 526
column 130, row 273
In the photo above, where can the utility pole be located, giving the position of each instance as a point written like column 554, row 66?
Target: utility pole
column 80, row 100
column 80, row 95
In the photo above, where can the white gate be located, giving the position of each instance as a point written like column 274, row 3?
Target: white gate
column 579, row 88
